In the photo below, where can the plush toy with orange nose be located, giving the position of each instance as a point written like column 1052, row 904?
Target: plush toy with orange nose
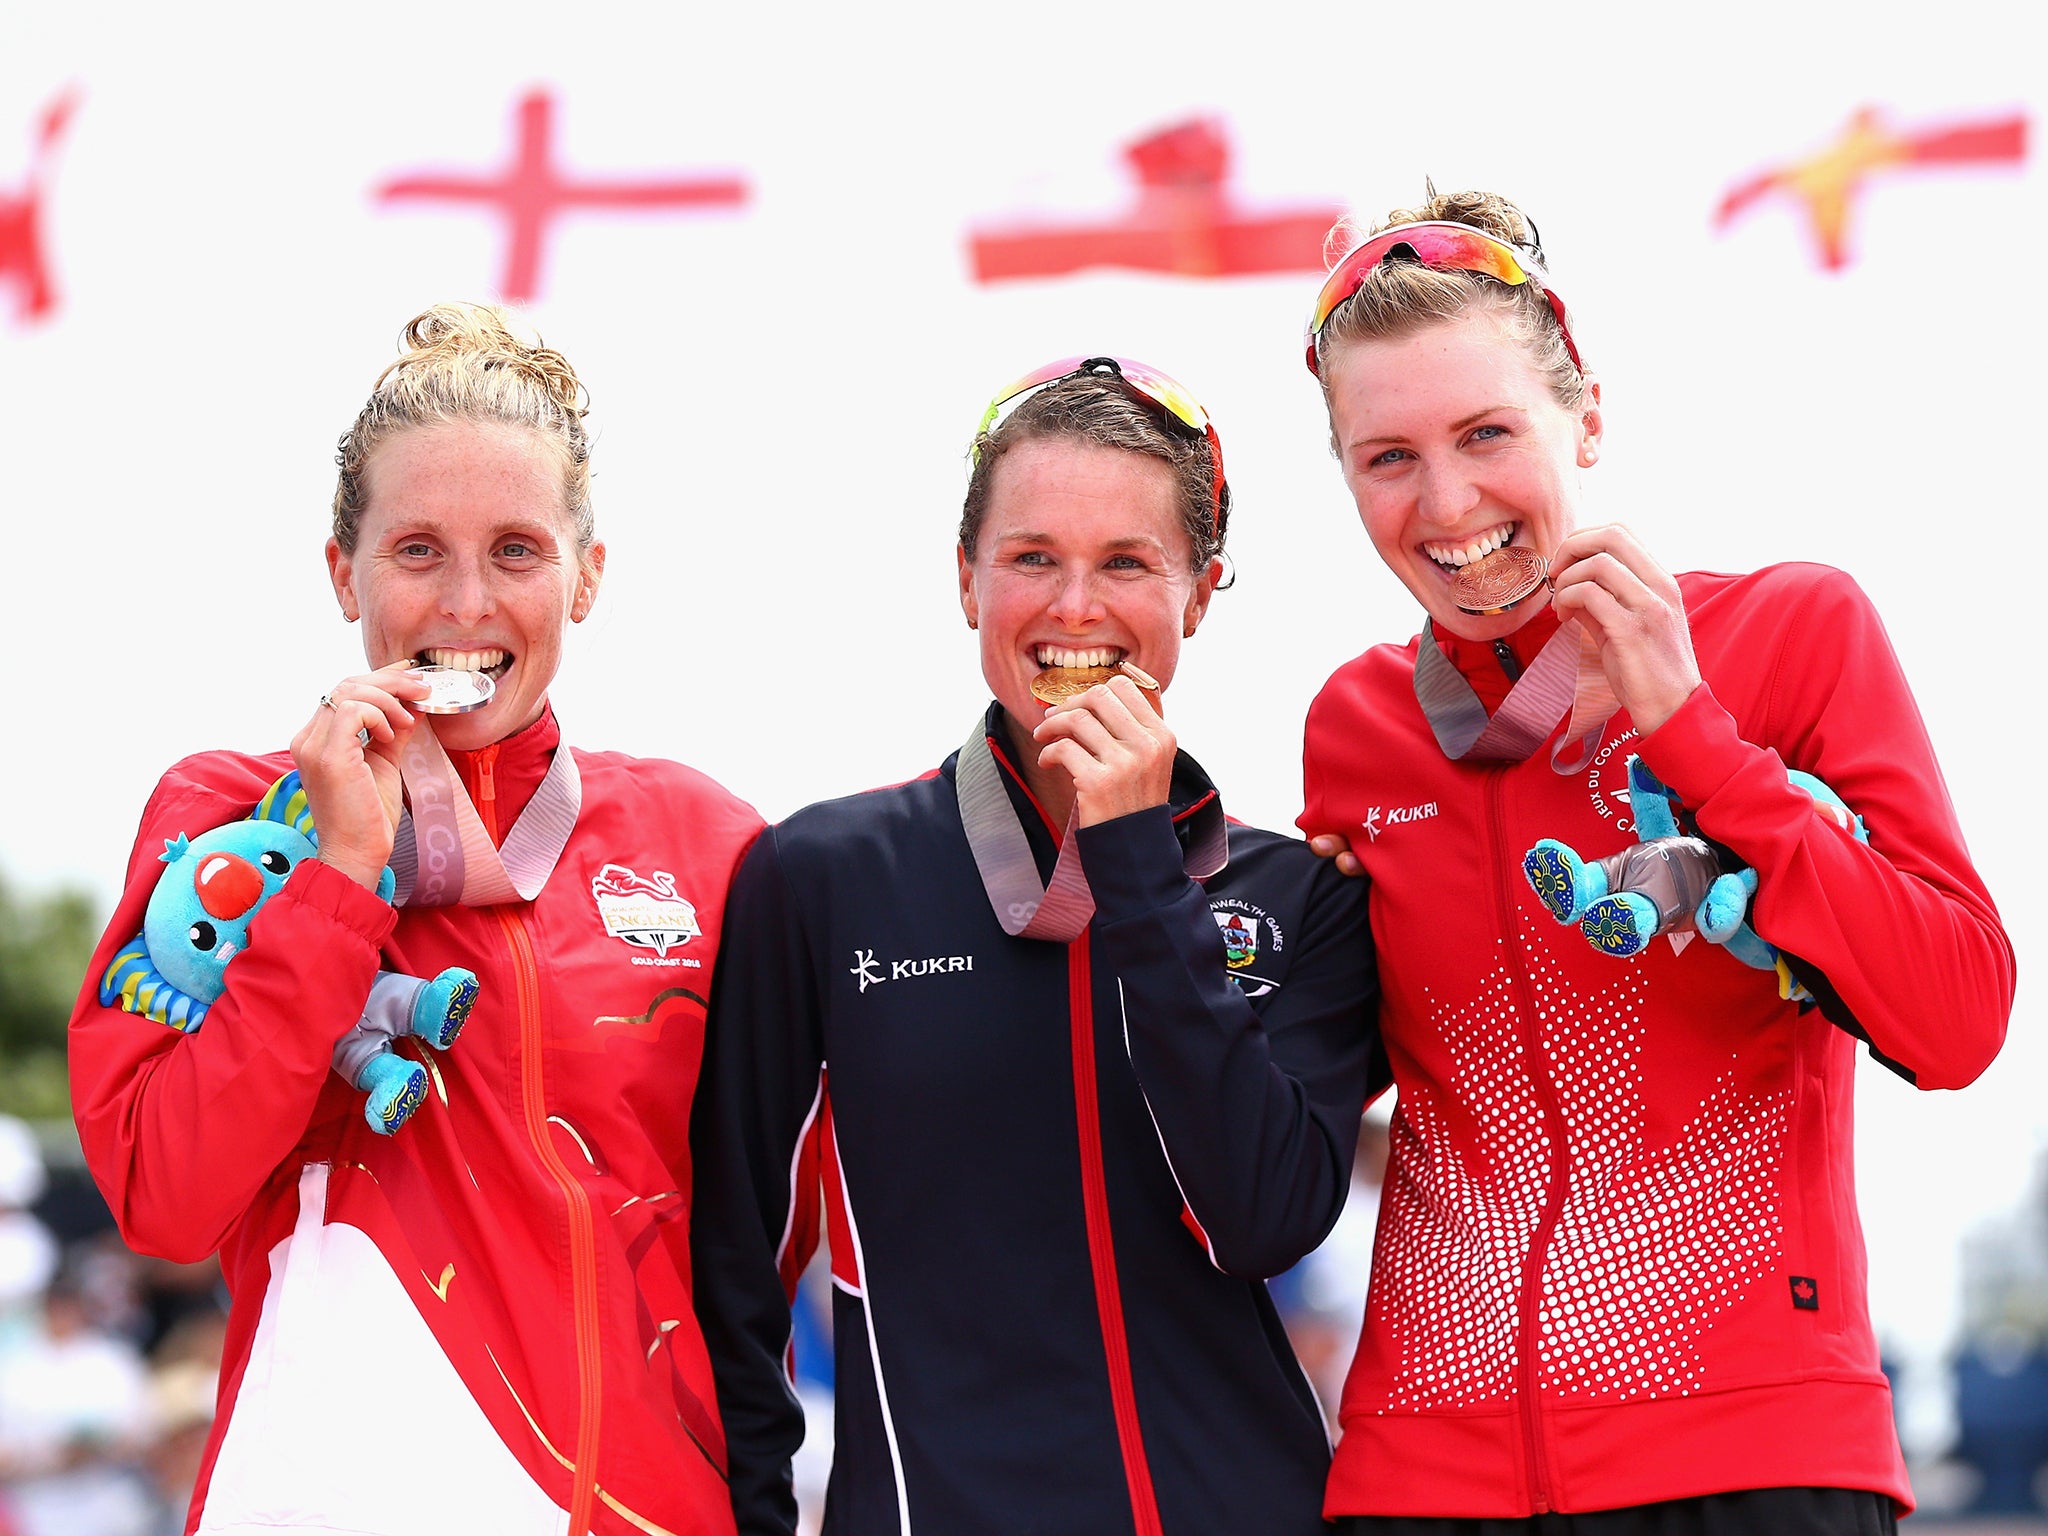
column 198, row 919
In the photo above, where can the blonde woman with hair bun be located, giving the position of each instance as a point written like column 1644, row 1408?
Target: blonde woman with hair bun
column 1618, row 1279
column 480, row 1321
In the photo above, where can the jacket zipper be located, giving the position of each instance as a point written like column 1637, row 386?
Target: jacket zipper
column 582, row 1234
column 1530, row 1335
column 487, row 791
column 582, row 1238
column 1109, row 1304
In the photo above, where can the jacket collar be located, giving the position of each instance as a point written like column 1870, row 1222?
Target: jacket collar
column 1480, row 662
column 1193, row 799
column 517, row 763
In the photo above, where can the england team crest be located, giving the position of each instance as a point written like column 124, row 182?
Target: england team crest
column 645, row 911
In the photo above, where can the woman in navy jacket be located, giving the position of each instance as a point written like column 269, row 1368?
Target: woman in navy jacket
column 1072, row 1063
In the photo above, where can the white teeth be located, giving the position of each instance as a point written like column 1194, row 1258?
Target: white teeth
column 465, row 661
column 1455, row 555
column 1101, row 656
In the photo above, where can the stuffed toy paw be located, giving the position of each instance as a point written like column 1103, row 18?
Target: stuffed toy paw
column 1668, row 881
column 198, row 919
column 433, row 1011
column 441, row 1007
column 396, row 1086
column 1626, row 899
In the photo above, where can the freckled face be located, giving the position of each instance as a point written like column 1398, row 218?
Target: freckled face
column 466, row 556
column 1082, row 551
column 1453, row 445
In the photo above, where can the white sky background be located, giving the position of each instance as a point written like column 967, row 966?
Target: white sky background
column 782, row 393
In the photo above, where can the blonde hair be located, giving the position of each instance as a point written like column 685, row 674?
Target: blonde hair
column 464, row 362
column 1399, row 298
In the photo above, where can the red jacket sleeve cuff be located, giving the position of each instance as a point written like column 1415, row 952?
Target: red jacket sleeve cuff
column 326, row 890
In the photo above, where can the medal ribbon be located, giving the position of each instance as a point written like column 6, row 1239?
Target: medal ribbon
column 1026, row 907
column 1566, row 672
column 441, row 854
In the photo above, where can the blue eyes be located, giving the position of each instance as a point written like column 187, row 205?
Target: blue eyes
column 1038, row 559
column 517, row 549
column 1486, row 434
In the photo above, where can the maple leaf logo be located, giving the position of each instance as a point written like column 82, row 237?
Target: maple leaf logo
column 1653, row 1240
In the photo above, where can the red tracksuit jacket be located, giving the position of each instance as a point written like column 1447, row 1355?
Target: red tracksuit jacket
column 483, row 1321
column 1618, row 1257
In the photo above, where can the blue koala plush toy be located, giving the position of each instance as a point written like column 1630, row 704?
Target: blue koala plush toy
column 198, row 920
column 1669, row 881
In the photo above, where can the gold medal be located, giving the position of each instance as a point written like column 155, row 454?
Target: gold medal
column 1056, row 685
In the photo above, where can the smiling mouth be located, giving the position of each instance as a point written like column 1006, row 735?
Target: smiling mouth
column 1099, row 656
column 1066, row 674
column 491, row 661
column 1455, row 557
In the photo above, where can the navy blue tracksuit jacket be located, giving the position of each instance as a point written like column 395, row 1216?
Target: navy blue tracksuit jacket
column 1054, row 1176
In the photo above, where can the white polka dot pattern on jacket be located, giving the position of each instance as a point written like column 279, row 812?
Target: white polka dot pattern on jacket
column 1650, row 1245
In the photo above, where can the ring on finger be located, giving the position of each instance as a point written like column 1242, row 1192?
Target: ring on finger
column 326, row 702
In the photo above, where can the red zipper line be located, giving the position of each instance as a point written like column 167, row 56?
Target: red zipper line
column 1058, row 832
column 1109, row 1304
column 487, row 791
column 1530, row 1336
column 582, row 1234
column 582, row 1237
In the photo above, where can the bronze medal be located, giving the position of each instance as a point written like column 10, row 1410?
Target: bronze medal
column 1504, row 578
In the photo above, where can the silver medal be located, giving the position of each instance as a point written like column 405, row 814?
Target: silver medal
column 455, row 691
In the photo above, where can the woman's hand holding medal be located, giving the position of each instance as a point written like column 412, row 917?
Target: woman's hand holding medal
column 1630, row 605
column 347, row 756
column 1114, row 746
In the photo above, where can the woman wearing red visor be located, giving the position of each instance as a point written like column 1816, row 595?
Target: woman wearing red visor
column 1072, row 1061
column 1619, row 1280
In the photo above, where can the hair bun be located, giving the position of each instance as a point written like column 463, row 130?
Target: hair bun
column 1487, row 212
column 482, row 336
column 468, row 363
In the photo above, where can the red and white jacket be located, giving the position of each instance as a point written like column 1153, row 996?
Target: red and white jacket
column 1618, row 1256
column 482, row 1323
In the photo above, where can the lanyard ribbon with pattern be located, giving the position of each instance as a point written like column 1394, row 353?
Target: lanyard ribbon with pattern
column 1565, row 673
column 1027, row 907
column 442, row 856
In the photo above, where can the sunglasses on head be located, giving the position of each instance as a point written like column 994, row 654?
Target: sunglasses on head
column 1143, row 380
column 1448, row 248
